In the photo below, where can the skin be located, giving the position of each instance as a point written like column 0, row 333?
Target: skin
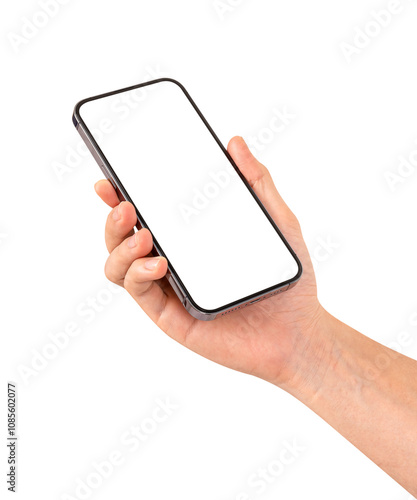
column 364, row 390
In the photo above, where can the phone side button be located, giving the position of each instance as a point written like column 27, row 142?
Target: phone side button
column 176, row 288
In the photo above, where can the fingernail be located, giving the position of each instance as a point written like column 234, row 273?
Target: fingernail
column 151, row 264
column 131, row 242
column 116, row 213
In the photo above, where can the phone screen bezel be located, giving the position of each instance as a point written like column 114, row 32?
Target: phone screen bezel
column 122, row 192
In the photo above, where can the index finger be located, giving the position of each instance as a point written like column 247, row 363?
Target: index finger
column 106, row 192
column 121, row 220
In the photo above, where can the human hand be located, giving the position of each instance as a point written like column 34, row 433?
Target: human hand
column 267, row 339
column 288, row 339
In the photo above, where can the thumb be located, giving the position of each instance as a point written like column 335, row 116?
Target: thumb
column 260, row 180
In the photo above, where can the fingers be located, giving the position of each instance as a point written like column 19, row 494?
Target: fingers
column 260, row 180
column 107, row 193
column 119, row 225
column 128, row 265
column 121, row 220
column 155, row 296
column 140, row 282
column 122, row 257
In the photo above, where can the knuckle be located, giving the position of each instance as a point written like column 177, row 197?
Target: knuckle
column 265, row 171
column 130, row 280
column 110, row 216
column 134, row 285
column 295, row 223
column 109, row 272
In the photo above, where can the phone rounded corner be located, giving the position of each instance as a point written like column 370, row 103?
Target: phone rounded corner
column 171, row 80
column 296, row 278
column 300, row 270
column 290, row 282
column 175, row 82
column 75, row 120
column 76, row 114
column 198, row 312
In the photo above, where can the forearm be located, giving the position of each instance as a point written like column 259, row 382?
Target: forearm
column 367, row 392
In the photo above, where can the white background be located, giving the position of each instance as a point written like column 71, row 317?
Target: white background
column 352, row 122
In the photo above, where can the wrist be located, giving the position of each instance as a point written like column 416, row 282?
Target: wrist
column 334, row 361
column 314, row 355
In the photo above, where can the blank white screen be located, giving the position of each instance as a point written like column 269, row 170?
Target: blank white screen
column 210, row 227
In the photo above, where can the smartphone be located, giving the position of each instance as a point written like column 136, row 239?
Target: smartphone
column 223, row 249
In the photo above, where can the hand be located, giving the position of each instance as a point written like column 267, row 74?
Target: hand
column 288, row 340
column 265, row 339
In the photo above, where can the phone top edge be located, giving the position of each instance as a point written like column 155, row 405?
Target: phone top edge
column 76, row 112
